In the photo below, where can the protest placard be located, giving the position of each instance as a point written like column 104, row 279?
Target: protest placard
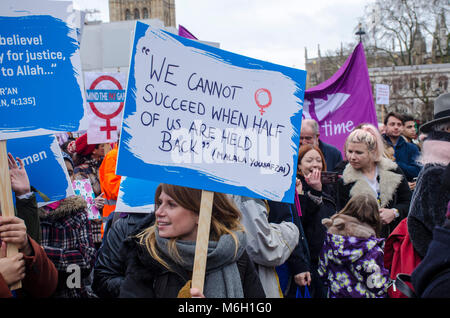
column 205, row 118
column 136, row 195
column 45, row 167
column 105, row 96
column 382, row 94
column 41, row 69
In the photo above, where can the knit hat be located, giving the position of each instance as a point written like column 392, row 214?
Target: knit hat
column 80, row 146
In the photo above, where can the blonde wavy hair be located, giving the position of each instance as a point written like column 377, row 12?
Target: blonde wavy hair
column 370, row 136
column 225, row 219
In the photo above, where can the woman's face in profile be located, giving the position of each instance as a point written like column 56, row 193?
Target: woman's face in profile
column 173, row 220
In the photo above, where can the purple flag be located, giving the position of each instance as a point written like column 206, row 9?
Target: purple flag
column 343, row 101
column 182, row 31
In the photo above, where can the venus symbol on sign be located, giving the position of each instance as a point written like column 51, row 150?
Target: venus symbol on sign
column 108, row 128
column 264, row 95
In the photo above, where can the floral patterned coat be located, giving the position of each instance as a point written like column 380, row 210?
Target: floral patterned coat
column 353, row 267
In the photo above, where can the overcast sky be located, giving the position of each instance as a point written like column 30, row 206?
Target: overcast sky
column 276, row 31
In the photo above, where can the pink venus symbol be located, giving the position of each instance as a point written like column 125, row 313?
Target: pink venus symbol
column 258, row 93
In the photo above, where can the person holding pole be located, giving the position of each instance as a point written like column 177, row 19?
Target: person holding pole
column 161, row 252
column 31, row 265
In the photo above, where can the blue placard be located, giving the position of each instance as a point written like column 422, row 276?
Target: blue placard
column 45, row 166
column 136, row 195
column 40, row 73
column 205, row 118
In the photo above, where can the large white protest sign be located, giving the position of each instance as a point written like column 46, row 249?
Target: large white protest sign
column 40, row 68
column 105, row 96
column 205, row 118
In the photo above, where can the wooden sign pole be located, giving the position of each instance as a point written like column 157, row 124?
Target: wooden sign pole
column 6, row 201
column 201, row 246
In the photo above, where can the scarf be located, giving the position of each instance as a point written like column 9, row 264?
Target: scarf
column 436, row 148
column 222, row 278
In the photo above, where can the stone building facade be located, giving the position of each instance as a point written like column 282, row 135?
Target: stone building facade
column 164, row 10
column 413, row 88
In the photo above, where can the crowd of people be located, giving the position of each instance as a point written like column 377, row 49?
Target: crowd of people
column 357, row 222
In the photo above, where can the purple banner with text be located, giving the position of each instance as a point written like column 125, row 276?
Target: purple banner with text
column 343, row 101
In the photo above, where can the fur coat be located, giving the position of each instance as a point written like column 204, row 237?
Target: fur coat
column 394, row 190
column 432, row 192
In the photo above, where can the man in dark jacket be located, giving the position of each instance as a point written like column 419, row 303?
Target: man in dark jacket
column 406, row 153
column 309, row 134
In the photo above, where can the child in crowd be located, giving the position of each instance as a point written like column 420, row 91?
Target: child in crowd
column 351, row 261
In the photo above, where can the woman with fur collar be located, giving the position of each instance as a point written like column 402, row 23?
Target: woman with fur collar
column 67, row 240
column 368, row 172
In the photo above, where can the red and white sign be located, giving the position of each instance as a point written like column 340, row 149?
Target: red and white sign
column 105, row 97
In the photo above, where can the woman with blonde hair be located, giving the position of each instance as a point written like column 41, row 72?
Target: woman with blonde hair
column 368, row 171
column 160, row 254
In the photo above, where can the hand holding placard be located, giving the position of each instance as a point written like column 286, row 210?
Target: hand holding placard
column 6, row 202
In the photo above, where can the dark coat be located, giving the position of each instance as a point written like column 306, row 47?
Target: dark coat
column 394, row 190
column 332, row 155
column 312, row 215
column 27, row 210
column 431, row 278
column 406, row 155
column 299, row 261
column 110, row 266
column 147, row 278
column 428, row 205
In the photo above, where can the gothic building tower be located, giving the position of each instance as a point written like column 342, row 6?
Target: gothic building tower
column 163, row 10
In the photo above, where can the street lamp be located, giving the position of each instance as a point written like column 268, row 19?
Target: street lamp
column 360, row 32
